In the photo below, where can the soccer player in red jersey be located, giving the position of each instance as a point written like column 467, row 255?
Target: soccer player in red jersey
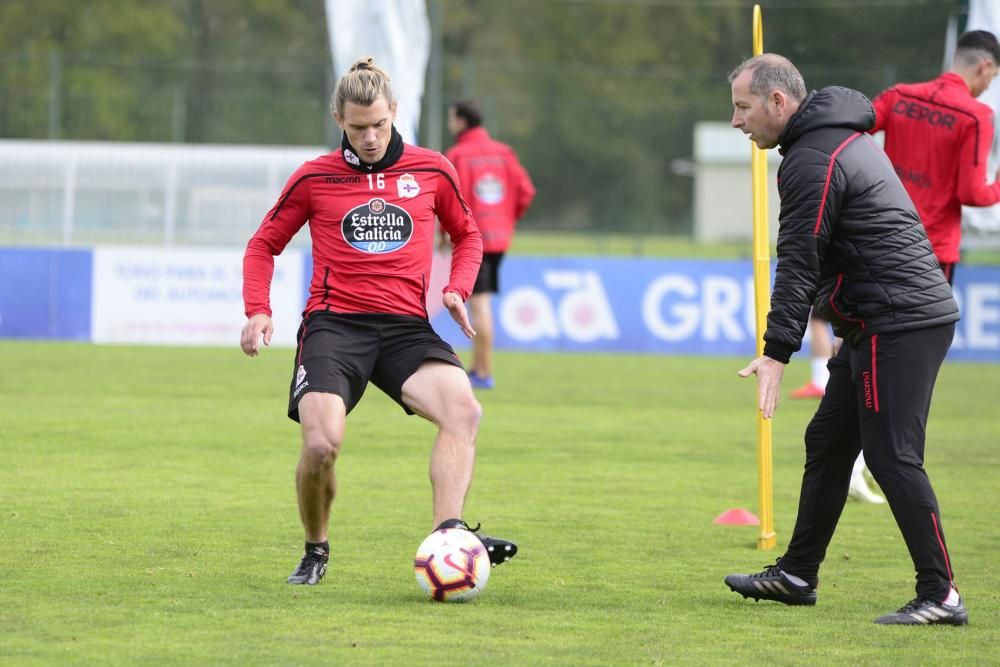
column 938, row 138
column 371, row 207
column 499, row 191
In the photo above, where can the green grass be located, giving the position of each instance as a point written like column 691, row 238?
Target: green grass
column 622, row 245
column 548, row 243
column 147, row 516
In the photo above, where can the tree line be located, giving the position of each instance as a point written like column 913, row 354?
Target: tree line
column 599, row 97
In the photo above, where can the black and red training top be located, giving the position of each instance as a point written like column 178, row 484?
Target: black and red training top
column 372, row 230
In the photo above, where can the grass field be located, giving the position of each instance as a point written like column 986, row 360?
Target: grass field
column 147, row 516
column 569, row 242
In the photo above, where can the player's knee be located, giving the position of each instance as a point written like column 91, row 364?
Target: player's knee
column 319, row 450
column 465, row 413
column 881, row 468
column 817, row 439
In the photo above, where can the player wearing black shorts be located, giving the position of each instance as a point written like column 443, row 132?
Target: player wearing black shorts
column 499, row 191
column 371, row 207
column 341, row 353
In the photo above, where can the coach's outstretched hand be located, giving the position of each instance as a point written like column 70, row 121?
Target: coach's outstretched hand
column 769, row 373
column 453, row 302
column 257, row 326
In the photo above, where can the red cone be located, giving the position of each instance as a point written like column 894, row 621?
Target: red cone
column 737, row 517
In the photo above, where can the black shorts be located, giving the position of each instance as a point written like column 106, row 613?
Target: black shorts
column 339, row 354
column 949, row 271
column 488, row 280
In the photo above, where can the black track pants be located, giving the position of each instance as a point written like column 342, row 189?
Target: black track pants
column 877, row 399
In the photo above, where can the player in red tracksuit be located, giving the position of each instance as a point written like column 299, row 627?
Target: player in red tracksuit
column 938, row 138
column 371, row 208
column 499, row 191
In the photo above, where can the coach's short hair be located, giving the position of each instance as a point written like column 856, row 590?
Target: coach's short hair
column 772, row 72
column 975, row 45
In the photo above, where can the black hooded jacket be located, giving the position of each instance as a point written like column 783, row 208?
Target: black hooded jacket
column 850, row 242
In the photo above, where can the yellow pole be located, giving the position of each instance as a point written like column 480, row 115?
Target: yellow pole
column 762, row 303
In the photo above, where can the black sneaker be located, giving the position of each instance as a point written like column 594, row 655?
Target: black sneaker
column 921, row 611
column 771, row 584
column 312, row 568
column 499, row 551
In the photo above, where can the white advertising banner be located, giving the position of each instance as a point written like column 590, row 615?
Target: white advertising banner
column 186, row 297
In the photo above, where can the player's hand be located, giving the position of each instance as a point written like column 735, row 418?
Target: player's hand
column 258, row 326
column 837, row 342
column 769, row 373
column 456, row 307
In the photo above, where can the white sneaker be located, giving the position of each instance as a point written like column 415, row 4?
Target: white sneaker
column 859, row 490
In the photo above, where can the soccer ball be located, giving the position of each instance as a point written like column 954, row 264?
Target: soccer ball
column 452, row 565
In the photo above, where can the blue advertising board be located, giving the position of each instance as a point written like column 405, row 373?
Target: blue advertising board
column 661, row 306
column 546, row 304
column 45, row 293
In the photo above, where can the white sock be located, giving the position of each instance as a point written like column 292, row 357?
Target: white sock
column 798, row 581
column 859, row 464
column 952, row 598
column 820, row 373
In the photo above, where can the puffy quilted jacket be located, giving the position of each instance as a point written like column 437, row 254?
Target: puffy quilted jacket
column 850, row 242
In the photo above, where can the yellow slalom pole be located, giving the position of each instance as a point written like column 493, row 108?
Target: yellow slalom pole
column 762, row 304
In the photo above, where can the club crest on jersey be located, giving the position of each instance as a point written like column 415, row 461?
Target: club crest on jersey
column 489, row 189
column 407, row 186
column 351, row 157
column 377, row 227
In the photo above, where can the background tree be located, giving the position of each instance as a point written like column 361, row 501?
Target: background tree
column 600, row 97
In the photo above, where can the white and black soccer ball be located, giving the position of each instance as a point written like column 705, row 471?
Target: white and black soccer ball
column 452, row 565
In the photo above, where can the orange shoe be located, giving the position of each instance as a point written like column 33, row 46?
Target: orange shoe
column 810, row 390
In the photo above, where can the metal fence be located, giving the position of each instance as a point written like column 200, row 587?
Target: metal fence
column 84, row 193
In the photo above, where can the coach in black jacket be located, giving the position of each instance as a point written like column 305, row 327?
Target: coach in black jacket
column 851, row 245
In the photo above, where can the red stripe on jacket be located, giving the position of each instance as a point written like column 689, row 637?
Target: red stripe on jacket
column 829, row 175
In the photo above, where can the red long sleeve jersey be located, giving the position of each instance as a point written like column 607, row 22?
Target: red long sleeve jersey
column 494, row 183
column 938, row 138
column 372, row 235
